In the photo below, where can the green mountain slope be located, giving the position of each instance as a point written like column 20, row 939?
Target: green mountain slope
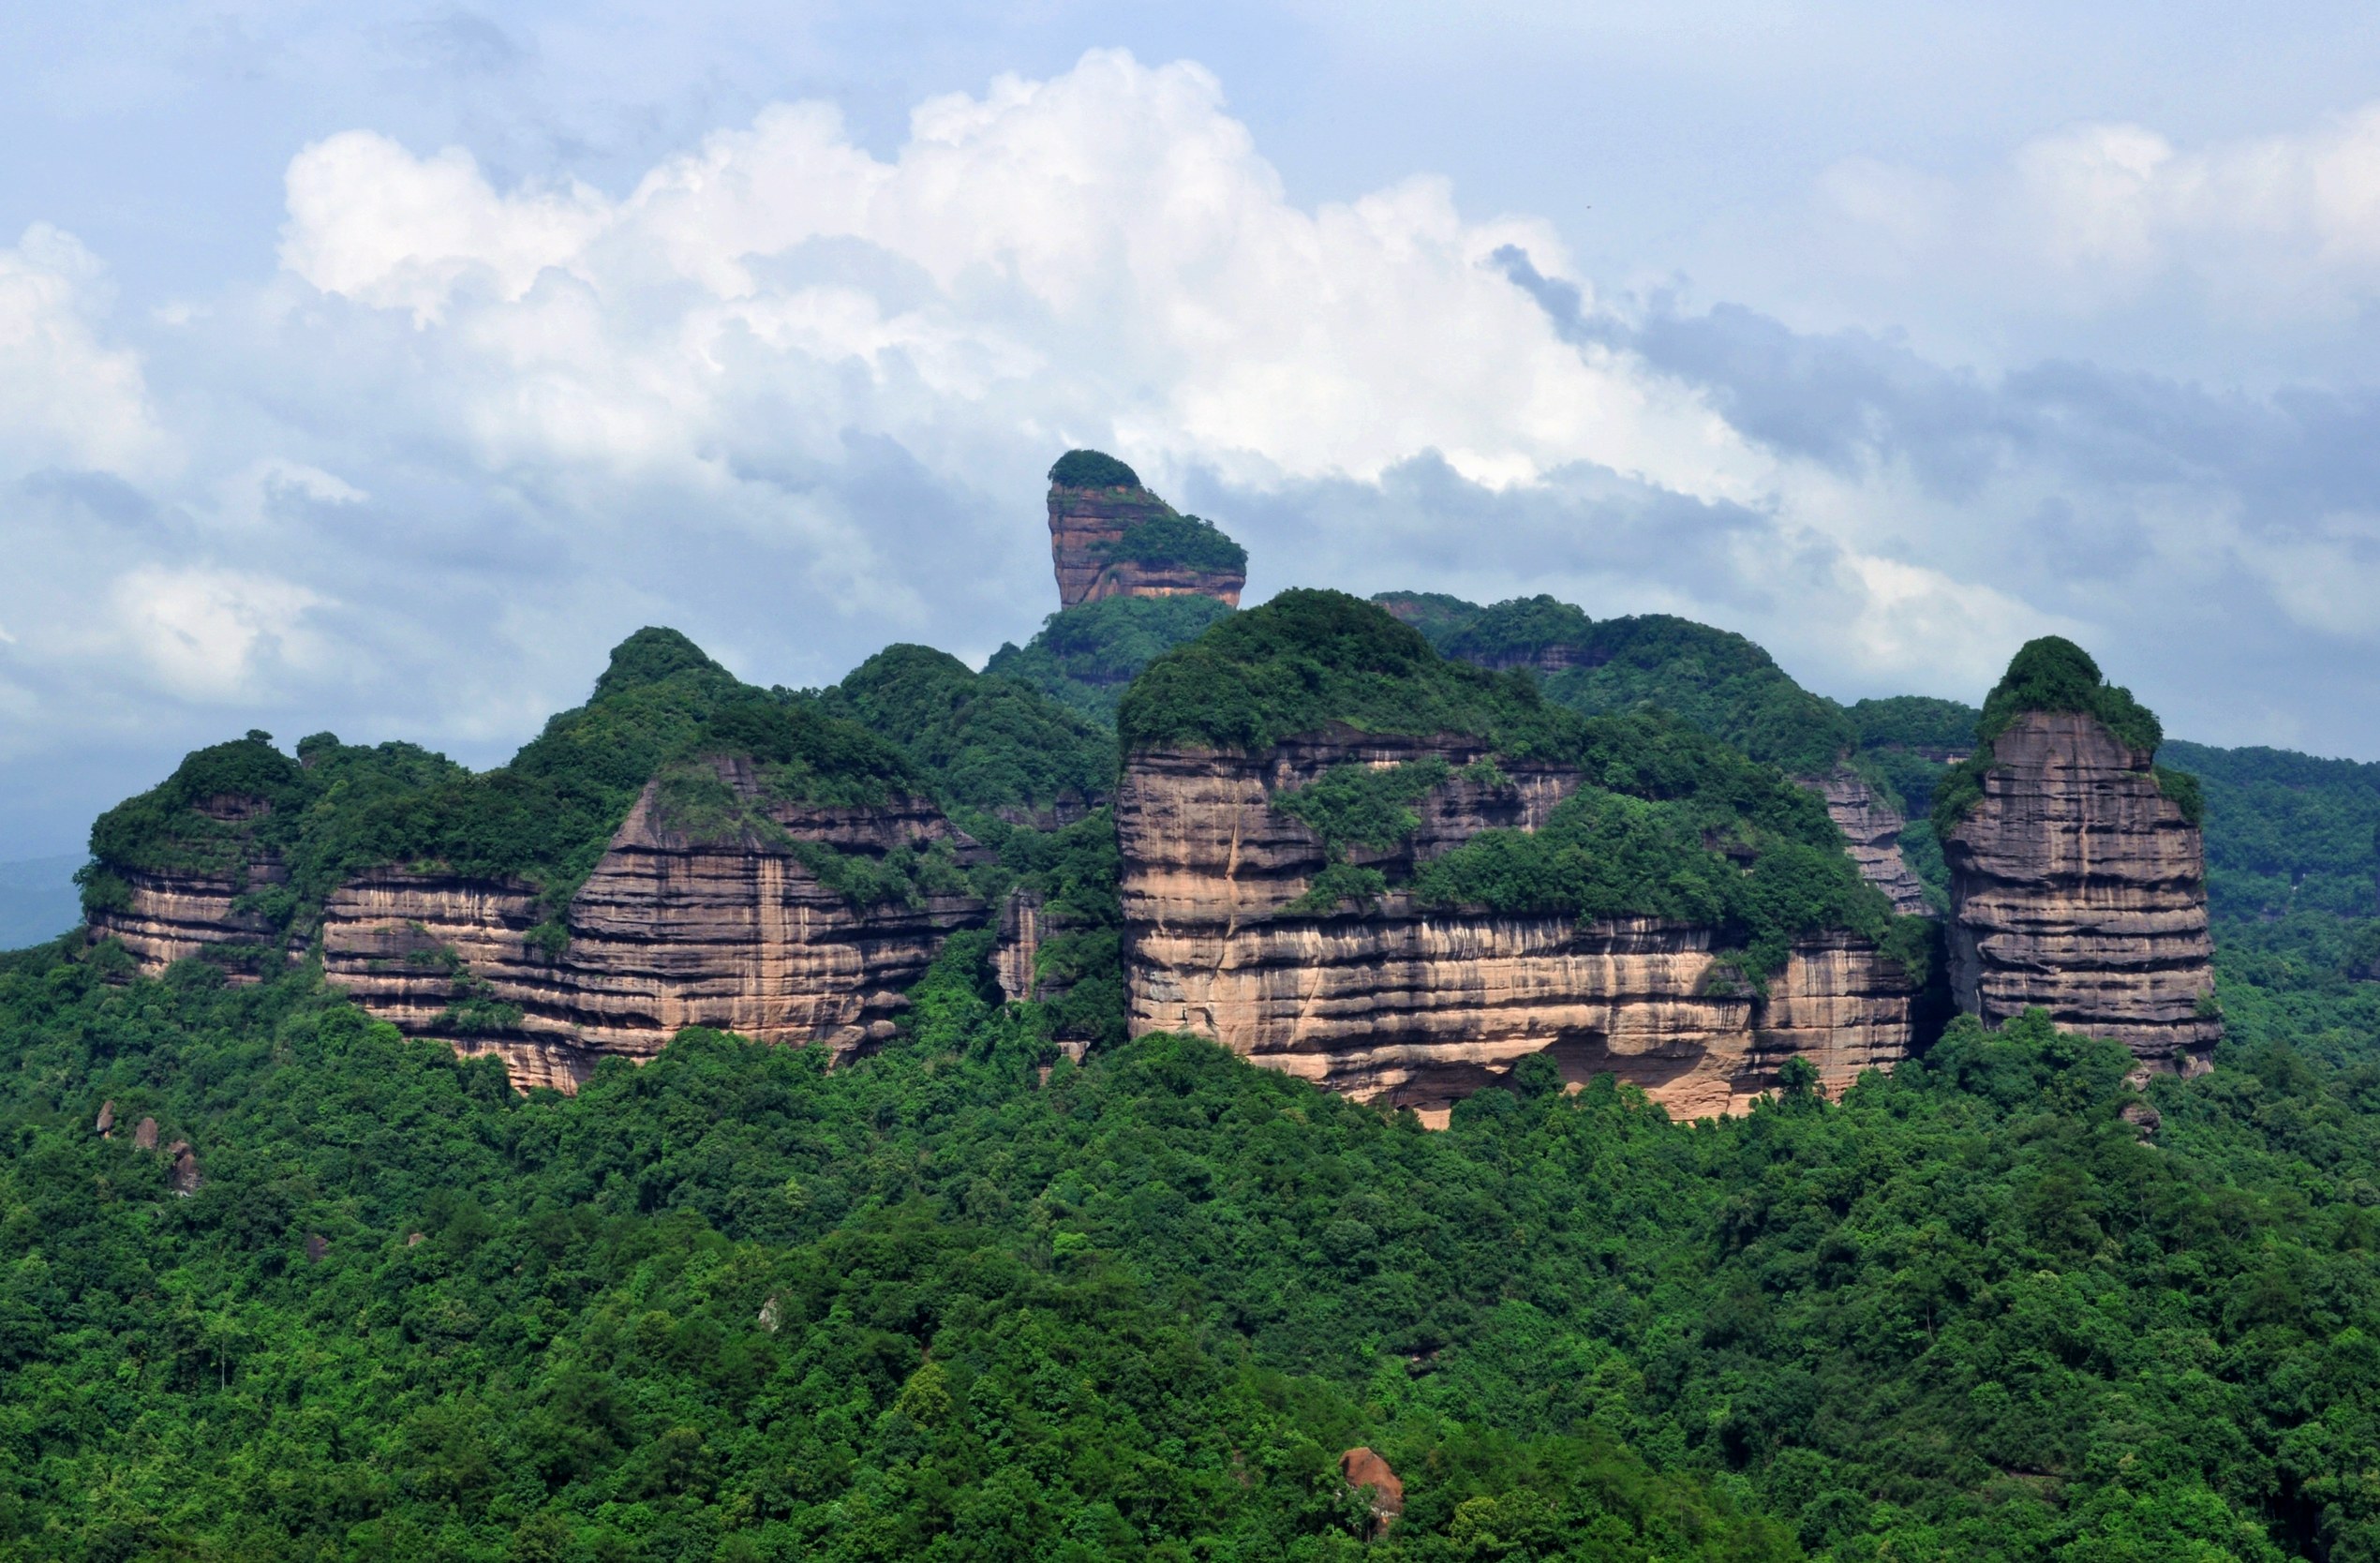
column 735, row 1305
column 1085, row 656
column 983, row 742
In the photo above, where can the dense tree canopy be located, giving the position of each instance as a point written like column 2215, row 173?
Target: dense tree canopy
column 735, row 1305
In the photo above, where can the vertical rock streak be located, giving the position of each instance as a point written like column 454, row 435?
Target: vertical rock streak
column 1873, row 830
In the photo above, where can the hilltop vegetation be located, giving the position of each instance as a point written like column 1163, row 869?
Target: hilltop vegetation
column 1307, row 659
column 983, row 742
column 1085, row 656
column 1711, row 679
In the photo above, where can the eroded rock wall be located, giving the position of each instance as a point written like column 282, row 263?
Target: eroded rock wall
column 1085, row 522
column 1423, row 1007
column 171, row 916
column 2076, row 885
column 1873, row 828
column 668, row 932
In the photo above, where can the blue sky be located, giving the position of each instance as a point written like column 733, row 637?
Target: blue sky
column 376, row 366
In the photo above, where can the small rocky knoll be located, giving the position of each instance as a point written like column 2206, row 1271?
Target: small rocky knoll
column 1110, row 537
column 2077, row 868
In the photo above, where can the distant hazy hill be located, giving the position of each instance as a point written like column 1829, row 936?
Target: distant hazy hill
column 37, row 899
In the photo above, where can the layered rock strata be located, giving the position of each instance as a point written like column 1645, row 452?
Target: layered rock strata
column 1873, row 828
column 1422, row 1007
column 1086, row 523
column 668, row 932
column 169, row 915
column 2077, row 886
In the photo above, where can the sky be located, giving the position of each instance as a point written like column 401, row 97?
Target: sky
column 374, row 367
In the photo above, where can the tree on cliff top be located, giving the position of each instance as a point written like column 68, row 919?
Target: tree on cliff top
column 2053, row 674
column 1092, row 469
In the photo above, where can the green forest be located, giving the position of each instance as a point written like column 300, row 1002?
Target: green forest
column 735, row 1305
column 318, row 1292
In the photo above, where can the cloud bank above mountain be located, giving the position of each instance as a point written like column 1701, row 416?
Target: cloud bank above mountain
column 796, row 397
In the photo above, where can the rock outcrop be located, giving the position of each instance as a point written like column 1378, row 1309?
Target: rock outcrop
column 1420, row 1007
column 1873, row 828
column 2078, row 886
column 1372, row 1478
column 668, row 932
column 169, row 915
column 1087, row 526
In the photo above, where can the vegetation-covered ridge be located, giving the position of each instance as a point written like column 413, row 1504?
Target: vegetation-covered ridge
column 1085, row 656
column 910, row 721
column 2053, row 674
column 1309, row 658
column 735, row 1305
column 545, row 818
column 1669, row 822
column 1713, row 678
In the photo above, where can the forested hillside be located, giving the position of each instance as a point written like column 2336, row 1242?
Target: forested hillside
column 318, row 1292
column 732, row 1306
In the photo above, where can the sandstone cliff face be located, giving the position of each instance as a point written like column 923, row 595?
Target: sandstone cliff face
column 171, row 916
column 668, row 932
column 2077, row 886
column 1085, row 522
column 1873, row 827
column 1423, row 1007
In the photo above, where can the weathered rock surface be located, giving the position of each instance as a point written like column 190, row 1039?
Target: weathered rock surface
column 2080, row 888
column 1084, row 523
column 171, row 916
column 1367, row 1473
column 1872, row 827
column 1423, row 1007
column 667, row 933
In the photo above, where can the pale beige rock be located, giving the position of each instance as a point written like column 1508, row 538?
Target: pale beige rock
column 667, row 933
column 172, row 915
column 1421, row 1008
column 2078, row 887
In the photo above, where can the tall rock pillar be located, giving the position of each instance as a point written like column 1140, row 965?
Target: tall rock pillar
column 2077, row 886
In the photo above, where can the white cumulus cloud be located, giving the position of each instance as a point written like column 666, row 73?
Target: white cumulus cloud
column 66, row 398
